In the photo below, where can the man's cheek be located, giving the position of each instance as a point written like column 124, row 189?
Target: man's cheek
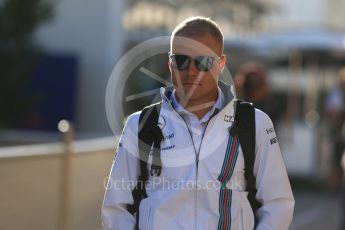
column 214, row 74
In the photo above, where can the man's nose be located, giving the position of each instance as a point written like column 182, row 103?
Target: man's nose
column 192, row 69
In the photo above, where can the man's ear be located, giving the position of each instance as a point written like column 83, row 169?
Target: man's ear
column 222, row 62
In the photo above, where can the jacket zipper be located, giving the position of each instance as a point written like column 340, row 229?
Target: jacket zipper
column 197, row 172
column 197, row 153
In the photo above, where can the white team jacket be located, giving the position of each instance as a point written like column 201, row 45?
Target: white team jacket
column 204, row 190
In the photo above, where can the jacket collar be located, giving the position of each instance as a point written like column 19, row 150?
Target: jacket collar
column 227, row 113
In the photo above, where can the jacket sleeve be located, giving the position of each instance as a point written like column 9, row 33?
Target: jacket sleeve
column 272, row 182
column 122, row 179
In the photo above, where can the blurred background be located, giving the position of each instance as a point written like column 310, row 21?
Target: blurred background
column 56, row 145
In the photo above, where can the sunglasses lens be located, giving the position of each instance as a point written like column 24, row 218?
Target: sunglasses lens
column 204, row 63
column 181, row 61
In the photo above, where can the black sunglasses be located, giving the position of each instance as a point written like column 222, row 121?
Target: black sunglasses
column 182, row 62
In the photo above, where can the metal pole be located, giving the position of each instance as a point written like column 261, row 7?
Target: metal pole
column 67, row 130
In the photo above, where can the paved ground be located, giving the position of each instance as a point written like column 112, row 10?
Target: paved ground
column 317, row 211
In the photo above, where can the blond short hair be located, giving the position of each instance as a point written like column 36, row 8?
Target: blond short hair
column 198, row 26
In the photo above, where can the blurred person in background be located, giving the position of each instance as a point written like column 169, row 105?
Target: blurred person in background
column 252, row 86
column 251, row 83
column 335, row 111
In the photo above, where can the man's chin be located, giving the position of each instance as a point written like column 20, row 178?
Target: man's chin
column 187, row 97
column 191, row 89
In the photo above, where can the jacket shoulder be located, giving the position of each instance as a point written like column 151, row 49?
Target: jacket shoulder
column 132, row 121
column 262, row 119
column 134, row 117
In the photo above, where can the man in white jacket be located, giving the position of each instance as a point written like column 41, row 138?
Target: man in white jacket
column 202, row 183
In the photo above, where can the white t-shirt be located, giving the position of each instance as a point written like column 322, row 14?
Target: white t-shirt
column 195, row 125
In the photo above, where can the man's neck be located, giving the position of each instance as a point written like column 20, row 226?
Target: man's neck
column 198, row 107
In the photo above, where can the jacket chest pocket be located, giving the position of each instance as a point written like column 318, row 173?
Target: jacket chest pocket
column 241, row 211
column 218, row 165
column 237, row 181
column 239, row 165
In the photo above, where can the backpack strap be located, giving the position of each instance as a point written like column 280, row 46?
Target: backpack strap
column 245, row 129
column 149, row 138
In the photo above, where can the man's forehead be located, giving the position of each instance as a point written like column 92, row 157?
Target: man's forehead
column 192, row 51
column 195, row 46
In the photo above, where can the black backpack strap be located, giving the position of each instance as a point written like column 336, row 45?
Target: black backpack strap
column 149, row 137
column 245, row 129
